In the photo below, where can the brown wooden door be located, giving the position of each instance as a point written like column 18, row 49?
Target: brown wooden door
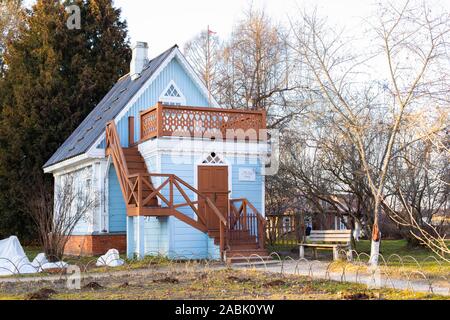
column 213, row 182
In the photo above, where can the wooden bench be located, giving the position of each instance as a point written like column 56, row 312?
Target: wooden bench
column 335, row 240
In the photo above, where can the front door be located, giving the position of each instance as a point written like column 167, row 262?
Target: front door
column 213, row 182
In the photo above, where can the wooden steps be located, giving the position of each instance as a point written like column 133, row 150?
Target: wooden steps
column 243, row 247
column 136, row 164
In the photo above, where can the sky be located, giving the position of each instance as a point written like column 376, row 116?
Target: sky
column 163, row 23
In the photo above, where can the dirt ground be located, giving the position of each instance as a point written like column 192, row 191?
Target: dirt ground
column 199, row 285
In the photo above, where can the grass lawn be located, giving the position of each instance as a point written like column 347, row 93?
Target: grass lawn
column 199, row 285
column 400, row 247
column 389, row 249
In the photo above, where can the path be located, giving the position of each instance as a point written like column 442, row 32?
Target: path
column 318, row 270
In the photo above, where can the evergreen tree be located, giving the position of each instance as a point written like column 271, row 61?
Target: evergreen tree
column 55, row 76
column 11, row 17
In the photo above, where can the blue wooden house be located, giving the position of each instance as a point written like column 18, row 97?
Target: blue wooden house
column 175, row 174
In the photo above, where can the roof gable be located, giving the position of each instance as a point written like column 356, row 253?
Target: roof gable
column 93, row 126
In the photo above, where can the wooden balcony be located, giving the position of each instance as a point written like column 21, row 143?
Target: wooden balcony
column 181, row 121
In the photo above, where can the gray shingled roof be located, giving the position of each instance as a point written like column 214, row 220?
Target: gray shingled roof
column 95, row 123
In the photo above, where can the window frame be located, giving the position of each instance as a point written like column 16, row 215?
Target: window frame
column 173, row 101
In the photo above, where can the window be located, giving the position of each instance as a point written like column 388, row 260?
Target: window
column 172, row 95
column 213, row 158
column 88, row 185
column 172, row 92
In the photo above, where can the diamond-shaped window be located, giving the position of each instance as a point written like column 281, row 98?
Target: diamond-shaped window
column 213, row 159
column 172, row 92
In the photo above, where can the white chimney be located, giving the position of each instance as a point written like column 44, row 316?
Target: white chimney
column 139, row 59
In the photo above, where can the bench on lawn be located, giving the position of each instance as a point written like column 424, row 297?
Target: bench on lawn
column 335, row 240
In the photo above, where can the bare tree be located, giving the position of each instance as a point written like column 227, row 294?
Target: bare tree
column 57, row 214
column 419, row 185
column 256, row 70
column 411, row 43
column 203, row 53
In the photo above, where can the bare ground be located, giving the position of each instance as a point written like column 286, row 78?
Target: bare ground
column 225, row 284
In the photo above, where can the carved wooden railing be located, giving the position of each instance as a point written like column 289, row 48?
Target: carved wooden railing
column 114, row 150
column 167, row 121
column 245, row 217
column 132, row 186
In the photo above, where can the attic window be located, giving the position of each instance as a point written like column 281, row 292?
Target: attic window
column 172, row 92
column 213, row 158
column 172, row 95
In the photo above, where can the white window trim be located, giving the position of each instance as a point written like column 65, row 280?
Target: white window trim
column 173, row 100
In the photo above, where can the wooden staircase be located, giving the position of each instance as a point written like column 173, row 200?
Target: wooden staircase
column 241, row 233
column 245, row 233
column 136, row 166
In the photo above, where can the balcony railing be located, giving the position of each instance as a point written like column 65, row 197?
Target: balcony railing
column 182, row 121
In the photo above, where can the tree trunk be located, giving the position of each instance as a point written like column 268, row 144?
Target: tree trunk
column 376, row 237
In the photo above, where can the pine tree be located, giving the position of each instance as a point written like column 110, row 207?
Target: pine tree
column 55, row 76
column 11, row 17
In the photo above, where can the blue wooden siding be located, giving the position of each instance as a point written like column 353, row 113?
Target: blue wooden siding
column 117, row 208
column 185, row 241
column 173, row 71
column 131, row 238
column 252, row 190
column 156, row 235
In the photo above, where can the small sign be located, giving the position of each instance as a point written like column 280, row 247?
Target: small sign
column 247, row 174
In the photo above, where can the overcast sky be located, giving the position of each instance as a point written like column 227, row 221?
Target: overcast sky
column 163, row 23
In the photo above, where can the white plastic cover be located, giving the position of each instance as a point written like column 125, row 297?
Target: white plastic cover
column 110, row 259
column 13, row 259
column 41, row 263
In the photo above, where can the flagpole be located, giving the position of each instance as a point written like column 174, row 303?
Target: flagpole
column 208, row 81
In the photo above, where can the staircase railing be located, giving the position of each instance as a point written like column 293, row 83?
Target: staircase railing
column 114, row 149
column 245, row 217
column 132, row 186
